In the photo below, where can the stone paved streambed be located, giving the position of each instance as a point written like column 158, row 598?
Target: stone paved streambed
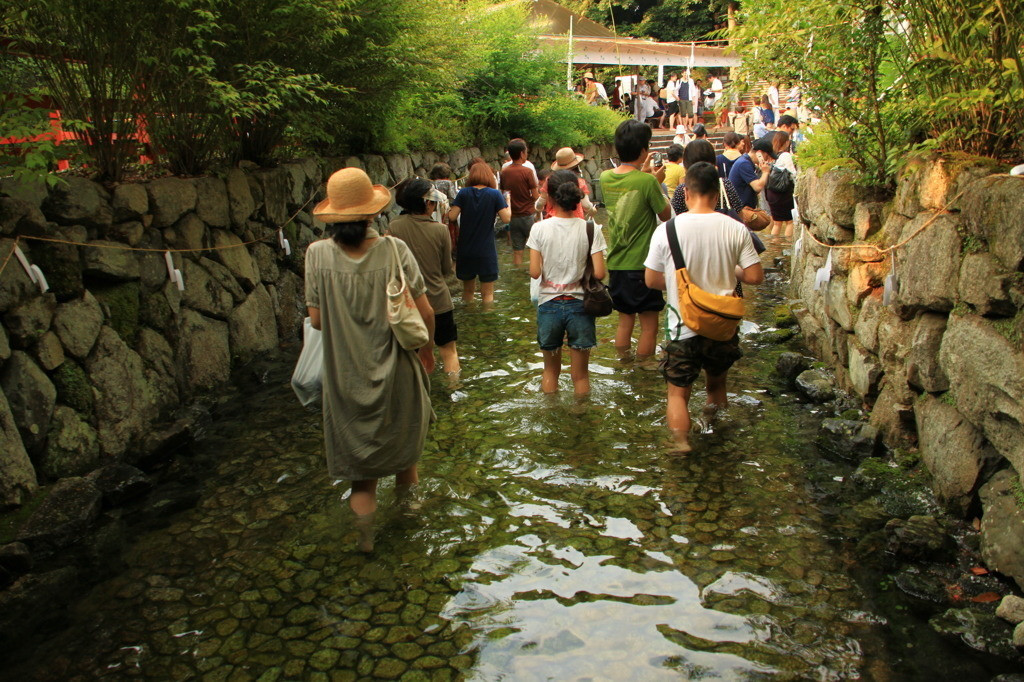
column 556, row 539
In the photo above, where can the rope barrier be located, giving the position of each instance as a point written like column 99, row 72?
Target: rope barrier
column 889, row 249
column 125, row 247
column 14, row 248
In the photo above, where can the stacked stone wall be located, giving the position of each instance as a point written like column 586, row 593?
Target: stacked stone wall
column 942, row 364
column 114, row 348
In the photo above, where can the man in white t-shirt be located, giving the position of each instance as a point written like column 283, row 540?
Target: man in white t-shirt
column 672, row 100
column 717, row 251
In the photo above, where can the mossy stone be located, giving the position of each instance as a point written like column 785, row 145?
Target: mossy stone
column 324, row 659
column 73, row 387
column 122, row 304
column 389, row 669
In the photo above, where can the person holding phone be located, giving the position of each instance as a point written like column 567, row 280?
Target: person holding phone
column 749, row 174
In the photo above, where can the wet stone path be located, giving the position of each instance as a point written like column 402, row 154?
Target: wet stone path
column 555, row 539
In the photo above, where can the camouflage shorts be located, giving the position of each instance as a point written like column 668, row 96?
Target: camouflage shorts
column 684, row 359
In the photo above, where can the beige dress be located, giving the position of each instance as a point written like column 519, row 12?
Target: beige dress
column 376, row 402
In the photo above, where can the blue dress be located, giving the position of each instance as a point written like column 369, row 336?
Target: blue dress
column 476, row 254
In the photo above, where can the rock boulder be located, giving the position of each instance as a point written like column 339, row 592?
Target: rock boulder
column 70, row 507
column 77, row 201
column 1002, row 526
column 240, row 201
column 204, row 352
column 72, row 448
column 816, row 385
column 169, row 199
column 17, row 476
column 988, row 373
column 212, row 202
column 110, row 261
column 235, row 258
column 77, row 324
column 954, row 451
column 252, row 325
column 31, row 397
column 933, row 287
column 130, row 202
column 27, row 323
column 125, row 403
column 848, row 439
column 923, row 368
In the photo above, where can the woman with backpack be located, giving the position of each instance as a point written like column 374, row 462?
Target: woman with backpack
column 558, row 255
column 780, row 199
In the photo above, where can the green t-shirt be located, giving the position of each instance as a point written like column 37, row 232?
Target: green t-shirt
column 634, row 201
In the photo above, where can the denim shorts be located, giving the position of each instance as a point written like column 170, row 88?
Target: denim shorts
column 560, row 317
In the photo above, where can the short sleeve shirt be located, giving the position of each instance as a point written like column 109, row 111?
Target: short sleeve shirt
column 479, row 206
column 519, row 181
column 633, row 201
column 562, row 243
column 712, row 245
column 431, row 244
column 742, row 174
column 674, row 174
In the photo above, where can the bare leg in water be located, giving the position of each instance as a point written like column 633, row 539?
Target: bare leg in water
column 363, row 502
column 450, row 359
column 468, row 290
column 552, row 368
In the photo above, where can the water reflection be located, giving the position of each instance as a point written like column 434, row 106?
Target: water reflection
column 551, row 538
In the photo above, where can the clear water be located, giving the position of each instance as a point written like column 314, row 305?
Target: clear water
column 556, row 539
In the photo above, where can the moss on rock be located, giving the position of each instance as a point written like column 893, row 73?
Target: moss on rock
column 122, row 302
column 73, row 387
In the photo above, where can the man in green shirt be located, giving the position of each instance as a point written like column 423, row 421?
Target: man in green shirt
column 632, row 195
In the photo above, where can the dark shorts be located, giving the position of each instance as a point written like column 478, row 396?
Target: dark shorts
column 444, row 328
column 685, row 359
column 781, row 205
column 630, row 294
column 519, row 227
column 560, row 318
column 673, row 107
column 470, row 267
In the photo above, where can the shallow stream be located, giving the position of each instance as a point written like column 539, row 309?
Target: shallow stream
column 555, row 539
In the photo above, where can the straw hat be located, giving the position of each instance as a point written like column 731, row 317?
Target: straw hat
column 566, row 158
column 351, row 197
column 589, row 74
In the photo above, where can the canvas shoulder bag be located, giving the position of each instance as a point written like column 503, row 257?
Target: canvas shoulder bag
column 597, row 301
column 403, row 315
column 710, row 315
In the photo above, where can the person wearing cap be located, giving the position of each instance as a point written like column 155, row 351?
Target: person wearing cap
column 376, row 404
column 431, row 244
column 566, row 159
column 681, row 138
column 749, row 174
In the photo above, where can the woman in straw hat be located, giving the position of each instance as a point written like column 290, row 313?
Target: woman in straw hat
column 566, row 159
column 376, row 405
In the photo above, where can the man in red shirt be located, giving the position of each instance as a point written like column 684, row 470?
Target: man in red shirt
column 521, row 184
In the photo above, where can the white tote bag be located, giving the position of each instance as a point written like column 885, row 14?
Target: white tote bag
column 403, row 315
column 307, row 379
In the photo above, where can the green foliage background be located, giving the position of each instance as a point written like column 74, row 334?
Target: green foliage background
column 892, row 77
column 218, row 81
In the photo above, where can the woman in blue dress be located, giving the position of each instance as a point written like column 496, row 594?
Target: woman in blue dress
column 476, row 255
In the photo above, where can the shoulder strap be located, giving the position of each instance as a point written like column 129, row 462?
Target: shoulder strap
column 673, row 245
column 724, row 195
column 588, row 264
